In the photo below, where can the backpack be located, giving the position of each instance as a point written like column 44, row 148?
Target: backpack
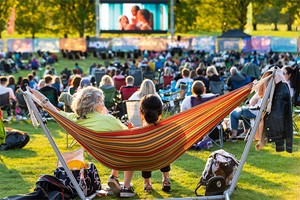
column 218, row 173
column 15, row 139
column 47, row 187
column 89, row 184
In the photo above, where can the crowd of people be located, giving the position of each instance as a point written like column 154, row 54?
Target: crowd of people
column 86, row 101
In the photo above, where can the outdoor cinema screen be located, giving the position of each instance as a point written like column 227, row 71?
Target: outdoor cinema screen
column 132, row 16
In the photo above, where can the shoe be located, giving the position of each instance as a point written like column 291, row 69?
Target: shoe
column 166, row 185
column 127, row 192
column 8, row 119
column 242, row 136
column 148, row 187
column 114, row 185
column 233, row 140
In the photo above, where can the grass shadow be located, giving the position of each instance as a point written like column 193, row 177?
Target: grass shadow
column 18, row 153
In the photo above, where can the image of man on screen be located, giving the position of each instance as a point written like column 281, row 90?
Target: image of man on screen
column 134, row 11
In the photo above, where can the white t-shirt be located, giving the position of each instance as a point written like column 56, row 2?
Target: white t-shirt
column 183, row 80
column 186, row 103
column 4, row 90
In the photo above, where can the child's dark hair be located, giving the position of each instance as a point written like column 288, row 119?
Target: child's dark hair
column 198, row 88
column 151, row 108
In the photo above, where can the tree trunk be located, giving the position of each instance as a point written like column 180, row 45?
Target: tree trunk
column 276, row 27
column 65, row 35
column 81, row 34
column 33, row 35
column 254, row 26
column 289, row 27
column 0, row 34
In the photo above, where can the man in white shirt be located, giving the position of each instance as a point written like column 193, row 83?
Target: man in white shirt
column 12, row 97
column 185, row 78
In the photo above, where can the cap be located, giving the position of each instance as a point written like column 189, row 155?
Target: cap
column 84, row 82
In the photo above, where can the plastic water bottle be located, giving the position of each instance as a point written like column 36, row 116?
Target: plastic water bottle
column 173, row 84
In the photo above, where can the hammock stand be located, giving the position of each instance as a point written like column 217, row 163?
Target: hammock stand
column 226, row 194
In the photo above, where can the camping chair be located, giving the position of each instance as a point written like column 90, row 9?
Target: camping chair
column 133, row 112
column 110, row 95
column 98, row 76
column 217, row 87
column 119, row 82
column 295, row 114
column 237, row 84
column 138, row 77
column 4, row 101
column 21, row 103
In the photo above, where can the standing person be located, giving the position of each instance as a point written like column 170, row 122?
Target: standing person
column 90, row 112
column 151, row 111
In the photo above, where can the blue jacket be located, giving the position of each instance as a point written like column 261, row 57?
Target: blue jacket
column 279, row 123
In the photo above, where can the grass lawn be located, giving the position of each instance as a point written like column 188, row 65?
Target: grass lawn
column 266, row 174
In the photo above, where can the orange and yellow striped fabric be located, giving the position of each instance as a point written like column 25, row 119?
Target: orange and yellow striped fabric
column 154, row 147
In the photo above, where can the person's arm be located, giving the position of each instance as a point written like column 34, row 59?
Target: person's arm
column 44, row 100
column 254, row 100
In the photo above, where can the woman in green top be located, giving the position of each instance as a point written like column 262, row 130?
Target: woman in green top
column 90, row 112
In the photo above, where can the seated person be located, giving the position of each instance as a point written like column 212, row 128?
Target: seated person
column 244, row 113
column 198, row 96
column 127, row 90
column 90, row 112
column 151, row 111
column 235, row 76
column 185, row 78
column 109, row 90
column 49, row 91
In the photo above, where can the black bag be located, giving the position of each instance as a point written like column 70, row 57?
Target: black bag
column 15, row 139
column 89, row 184
column 218, row 173
column 47, row 187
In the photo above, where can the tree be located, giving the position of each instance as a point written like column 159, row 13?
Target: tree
column 6, row 8
column 185, row 15
column 73, row 16
column 258, row 7
column 31, row 17
column 235, row 14
column 290, row 12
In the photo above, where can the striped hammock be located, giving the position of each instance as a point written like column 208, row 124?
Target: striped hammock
column 154, row 147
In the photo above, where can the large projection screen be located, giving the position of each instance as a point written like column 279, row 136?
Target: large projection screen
column 133, row 16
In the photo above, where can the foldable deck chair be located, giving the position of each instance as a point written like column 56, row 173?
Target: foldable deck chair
column 179, row 134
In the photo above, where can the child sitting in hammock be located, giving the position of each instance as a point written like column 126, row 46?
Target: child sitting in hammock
column 90, row 112
column 151, row 110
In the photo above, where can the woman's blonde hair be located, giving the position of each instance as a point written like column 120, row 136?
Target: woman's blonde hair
column 87, row 100
column 212, row 69
column 147, row 87
column 106, row 80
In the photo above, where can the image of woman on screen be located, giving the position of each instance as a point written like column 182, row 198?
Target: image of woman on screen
column 144, row 18
column 124, row 23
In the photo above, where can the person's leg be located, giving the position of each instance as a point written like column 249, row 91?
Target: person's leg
column 147, row 181
column 246, row 116
column 166, row 184
column 127, row 190
column 235, row 115
column 113, row 182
